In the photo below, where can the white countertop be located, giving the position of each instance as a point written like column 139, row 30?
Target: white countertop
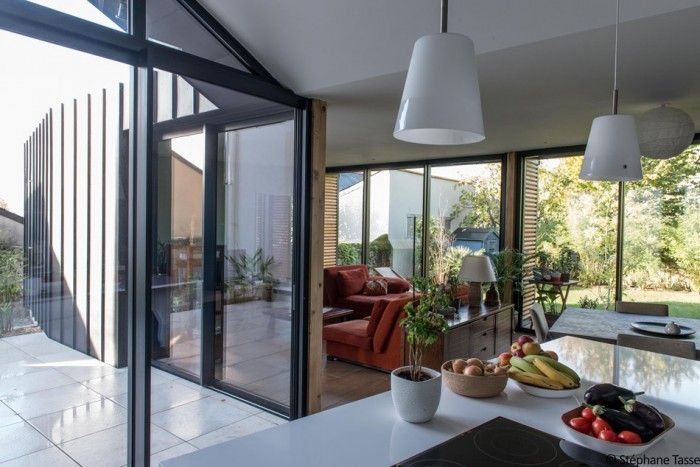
column 368, row 433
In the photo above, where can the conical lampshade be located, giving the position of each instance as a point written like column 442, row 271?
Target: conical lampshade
column 441, row 103
column 612, row 152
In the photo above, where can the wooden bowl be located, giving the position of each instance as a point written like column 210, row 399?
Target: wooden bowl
column 609, row 447
column 473, row 386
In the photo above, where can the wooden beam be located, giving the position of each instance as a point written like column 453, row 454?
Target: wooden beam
column 318, row 177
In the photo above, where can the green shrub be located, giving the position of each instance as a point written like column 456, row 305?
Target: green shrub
column 11, row 278
column 348, row 253
column 380, row 251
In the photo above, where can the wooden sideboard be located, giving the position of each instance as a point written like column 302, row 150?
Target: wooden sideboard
column 482, row 332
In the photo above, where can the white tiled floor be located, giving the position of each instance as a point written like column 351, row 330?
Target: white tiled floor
column 59, row 407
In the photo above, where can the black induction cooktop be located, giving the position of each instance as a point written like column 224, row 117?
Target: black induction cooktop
column 502, row 442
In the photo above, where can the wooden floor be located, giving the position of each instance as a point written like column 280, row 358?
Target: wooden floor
column 344, row 382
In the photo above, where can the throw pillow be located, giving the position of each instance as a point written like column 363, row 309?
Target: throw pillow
column 375, row 287
column 351, row 281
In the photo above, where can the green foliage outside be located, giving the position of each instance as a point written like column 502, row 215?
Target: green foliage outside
column 348, row 253
column 479, row 202
column 380, row 251
column 11, row 279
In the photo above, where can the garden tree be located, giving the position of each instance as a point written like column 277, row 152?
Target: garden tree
column 479, row 202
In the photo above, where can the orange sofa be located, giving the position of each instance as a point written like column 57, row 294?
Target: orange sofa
column 343, row 286
column 376, row 341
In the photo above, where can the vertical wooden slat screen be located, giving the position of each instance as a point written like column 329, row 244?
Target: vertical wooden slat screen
column 73, row 164
column 530, row 199
column 330, row 224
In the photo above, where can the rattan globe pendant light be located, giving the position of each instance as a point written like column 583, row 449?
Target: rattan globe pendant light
column 664, row 132
column 612, row 152
column 441, row 103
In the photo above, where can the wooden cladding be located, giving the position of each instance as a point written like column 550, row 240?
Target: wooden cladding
column 529, row 229
column 75, row 208
column 330, row 224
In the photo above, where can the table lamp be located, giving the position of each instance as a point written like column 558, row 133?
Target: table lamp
column 475, row 270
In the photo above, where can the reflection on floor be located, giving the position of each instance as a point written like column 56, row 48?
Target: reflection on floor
column 345, row 382
column 256, row 342
column 59, row 407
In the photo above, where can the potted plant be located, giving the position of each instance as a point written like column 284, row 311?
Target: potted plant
column 415, row 389
column 569, row 262
column 268, row 280
column 508, row 267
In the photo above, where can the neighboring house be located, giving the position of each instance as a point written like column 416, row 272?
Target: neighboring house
column 476, row 239
column 11, row 228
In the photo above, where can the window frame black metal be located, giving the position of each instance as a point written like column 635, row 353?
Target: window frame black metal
column 133, row 48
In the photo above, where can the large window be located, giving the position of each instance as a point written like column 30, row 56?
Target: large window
column 113, row 14
column 465, row 214
column 661, row 253
column 350, row 192
column 395, row 217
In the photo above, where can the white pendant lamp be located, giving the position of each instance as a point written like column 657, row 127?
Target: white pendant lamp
column 441, row 103
column 664, row 132
column 612, row 152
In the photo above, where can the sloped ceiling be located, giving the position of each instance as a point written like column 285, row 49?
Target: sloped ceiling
column 545, row 66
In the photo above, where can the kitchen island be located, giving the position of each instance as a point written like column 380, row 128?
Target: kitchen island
column 368, row 433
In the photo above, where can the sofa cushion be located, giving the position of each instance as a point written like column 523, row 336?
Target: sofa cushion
column 352, row 333
column 375, row 287
column 394, row 284
column 389, row 320
column 351, row 282
column 330, row 282
column 376, row 316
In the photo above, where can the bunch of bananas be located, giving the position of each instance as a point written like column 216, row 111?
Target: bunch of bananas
column 544, row 372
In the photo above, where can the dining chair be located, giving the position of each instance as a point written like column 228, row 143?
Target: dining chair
column 539, row 322
column 676, row 348
column 642, row 308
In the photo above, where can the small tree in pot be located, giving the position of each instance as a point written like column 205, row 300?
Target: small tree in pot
column 415, row 389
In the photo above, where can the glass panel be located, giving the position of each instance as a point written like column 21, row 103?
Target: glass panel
column 574, row 231
column 395, row 216
column 465, row 213
column 350, row 199
column 113, row 14
column 168, row 23
column 254, row 223
column 63, row 225
column 662, row 234
column 177, row 283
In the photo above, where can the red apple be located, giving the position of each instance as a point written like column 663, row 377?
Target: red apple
column 519, row 353
column 522, row 340
column 504, row 359
column 552, row 354
column 514, row 348
column 532, row 348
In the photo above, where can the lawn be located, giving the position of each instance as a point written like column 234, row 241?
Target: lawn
column 681, row 304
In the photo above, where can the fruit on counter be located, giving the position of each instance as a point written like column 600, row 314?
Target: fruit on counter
column 607, row 435
column 608, row 395
column 500, row 370
column 557, row 366
column 524, row 365
column 551, row 373
column 458, row 365
column 599, row 425
column 522, row 340
column 628, row 437
column 475, row 361
column 580, row 424
column 551, row 354
column 588, row 414
column 532, row 348
column 504, row 359
column 623, row 421
column 646, row 413
column 473, row 370
column 533, row 379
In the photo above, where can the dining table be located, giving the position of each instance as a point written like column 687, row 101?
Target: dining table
column 604, row 326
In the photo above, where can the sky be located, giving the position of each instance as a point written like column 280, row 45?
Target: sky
column 36, row 76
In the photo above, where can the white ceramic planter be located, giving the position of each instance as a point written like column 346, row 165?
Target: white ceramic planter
column 416, row 402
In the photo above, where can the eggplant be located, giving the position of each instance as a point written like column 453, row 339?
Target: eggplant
column 608, row 395
column 647, row 414
column 623, row 421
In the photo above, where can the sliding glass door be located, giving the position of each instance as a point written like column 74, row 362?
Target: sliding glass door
column 254, row 220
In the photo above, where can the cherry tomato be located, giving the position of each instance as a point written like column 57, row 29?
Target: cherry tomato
column 600, row 425
column 607, row 435
column 588, row 414
column 629, row 437
column 580, row 424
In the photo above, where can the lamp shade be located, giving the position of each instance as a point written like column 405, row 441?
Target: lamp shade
column 441, row 103
column 664, row 132
column 477, row 269
column 612, row 152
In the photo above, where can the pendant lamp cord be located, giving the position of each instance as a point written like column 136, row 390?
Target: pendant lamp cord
column 617, row 50
column 443, row 16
